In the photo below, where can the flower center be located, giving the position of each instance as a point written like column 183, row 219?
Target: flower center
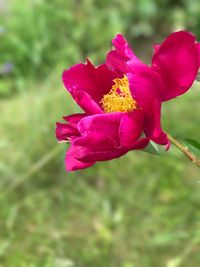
column 119, row 98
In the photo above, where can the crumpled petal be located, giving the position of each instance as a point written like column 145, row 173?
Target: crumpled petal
column 118, row 58
column 107, row 123
column 73, row 119
column 72, row 163
column 177, row 62
column 87, row 85
column 140, row 144
column 97, row 141
column 108, row 136
column 88, row 156
column 65, row 131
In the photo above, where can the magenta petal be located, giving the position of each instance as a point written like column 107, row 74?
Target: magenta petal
column 152, row 125
column 88, row 156
column 107, row 124
column 122, row 47
column 71, row 161
column 156, row 47
column 85, row 101
column 88, row 84
column 97, row 141
column 177, row 61
column 73, row 119
column 97, row 146
column 141, row 144
column 104, row 77
column 145, row 85
column 108, row 136
column 100, row 155
column 65, row 131
column 131, row 127
column 117, row 58
column 117, row 62
column 100, row 137
column 198, row 48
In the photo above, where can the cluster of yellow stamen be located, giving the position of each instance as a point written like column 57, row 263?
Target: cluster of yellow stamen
column 119, row 98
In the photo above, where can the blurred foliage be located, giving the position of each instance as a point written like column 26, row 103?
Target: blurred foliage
column 140, row 210
column 38, row 34
column 137, row 211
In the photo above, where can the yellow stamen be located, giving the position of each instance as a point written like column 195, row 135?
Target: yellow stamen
column 119, row 98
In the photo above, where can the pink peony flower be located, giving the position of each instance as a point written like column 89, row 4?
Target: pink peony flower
column 122, row 99
column 112, row 123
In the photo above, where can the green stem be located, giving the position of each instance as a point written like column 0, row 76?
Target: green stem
column 184, row 150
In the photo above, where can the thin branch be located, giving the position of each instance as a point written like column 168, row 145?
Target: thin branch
column 184, row 150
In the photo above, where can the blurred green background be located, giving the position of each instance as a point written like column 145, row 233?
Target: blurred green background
column 137, row 211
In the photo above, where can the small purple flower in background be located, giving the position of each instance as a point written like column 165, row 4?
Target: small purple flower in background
column 6, row 69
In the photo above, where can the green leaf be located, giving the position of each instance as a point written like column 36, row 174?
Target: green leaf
column 154, row 148
column 193, row 146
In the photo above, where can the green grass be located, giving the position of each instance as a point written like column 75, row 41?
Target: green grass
column 137, row 211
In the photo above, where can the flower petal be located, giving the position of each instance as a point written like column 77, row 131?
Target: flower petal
column 152, row 125
column 88, row 84
column 117, row 62
column 100, row 137
column 97, row 146
column 89, row 154
column 145, row 85
column 146, row 88
column 73, row 119
column 108, row 136
column 71, row 161
column 65, row 131
column 177, row 61
column 117, row 58
column 140, row 144
column 100, row 155
column 131, row 127
column 97, row 141
column 107, row 124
